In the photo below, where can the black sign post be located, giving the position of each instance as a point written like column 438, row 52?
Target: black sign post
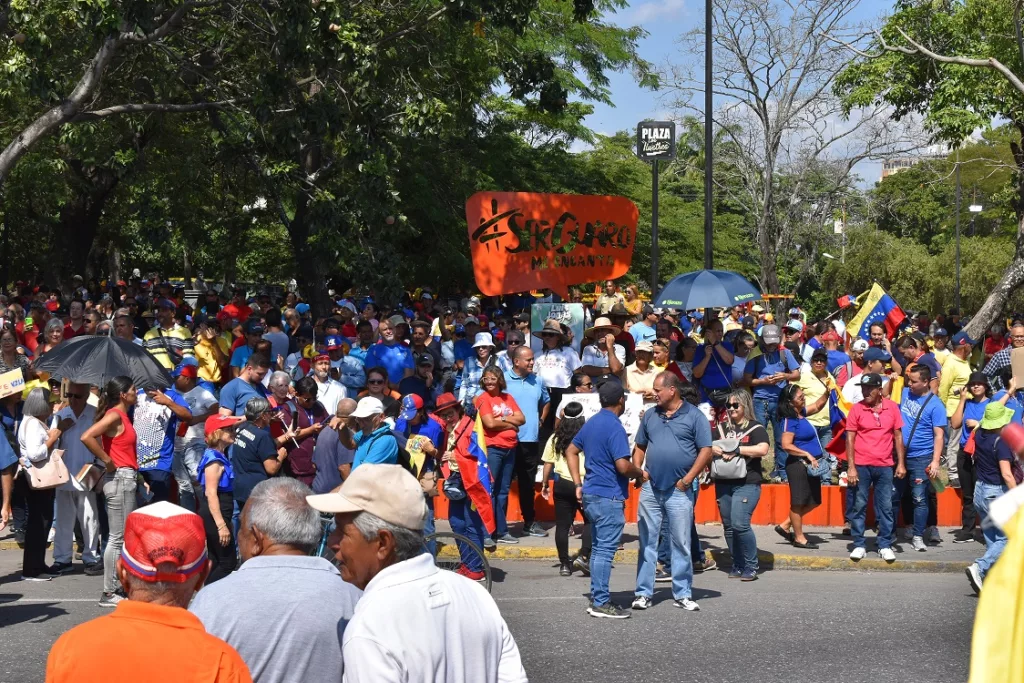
column 655, row 140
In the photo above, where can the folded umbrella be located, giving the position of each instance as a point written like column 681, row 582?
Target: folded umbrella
column 98, row 359
column 706, row 289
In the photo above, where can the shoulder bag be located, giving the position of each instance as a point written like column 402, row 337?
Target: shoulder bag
column 717, row 397
column 736, row 466
column 823, row 467
column 48, row 473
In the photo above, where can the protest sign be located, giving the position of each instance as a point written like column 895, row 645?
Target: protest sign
column 1017, row 365
column 591, row 403
column 567, row 314
column 11, row 382
column 520, row 241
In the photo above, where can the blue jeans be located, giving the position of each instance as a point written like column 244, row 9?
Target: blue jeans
column 466, row 521
column 502, row 463
column 736, row 503
column 607, row 519
column 429, row 527
column 880, row 477
column 995, row 539
column 824, row 437
column 677, row 507
column 917, row 480
column 665, row 545
column 765, row 411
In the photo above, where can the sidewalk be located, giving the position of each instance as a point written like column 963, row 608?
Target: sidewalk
column 774, row 551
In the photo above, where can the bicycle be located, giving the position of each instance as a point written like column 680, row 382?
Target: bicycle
column 449, row 558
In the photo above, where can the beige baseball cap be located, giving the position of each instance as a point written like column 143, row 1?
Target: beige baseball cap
column 387, row 491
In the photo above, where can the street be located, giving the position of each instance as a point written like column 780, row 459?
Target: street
column 791, row 626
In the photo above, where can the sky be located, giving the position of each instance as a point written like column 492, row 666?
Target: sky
column 665, row 21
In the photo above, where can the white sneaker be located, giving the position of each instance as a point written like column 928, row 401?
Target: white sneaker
column 932, row 535
column 49, row 537
column 858, row 554
column 641, row 602
column 918, row 544
column 40, row 577
column 887, row 554
column 974, row 576
column 687, row 604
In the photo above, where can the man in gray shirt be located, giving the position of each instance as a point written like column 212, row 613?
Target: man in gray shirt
column 283, row 611
column 332, row 459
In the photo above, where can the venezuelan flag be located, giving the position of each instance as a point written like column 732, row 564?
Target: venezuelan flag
column 878, row 307
column 471, row 455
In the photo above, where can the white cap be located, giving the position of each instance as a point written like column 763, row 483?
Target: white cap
column 840, row 327
column 368, row 406
column 483, row 339
column 859, row 345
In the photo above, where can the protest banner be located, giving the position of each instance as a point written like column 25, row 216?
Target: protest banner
column 567, row 314
column 591, row 403
column 11, row 382
column 520, row 241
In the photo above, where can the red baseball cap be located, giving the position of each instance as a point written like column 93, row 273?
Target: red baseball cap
column 215, row 422
column 164, row 542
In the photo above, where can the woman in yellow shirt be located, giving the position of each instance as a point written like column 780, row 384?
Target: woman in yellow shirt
column 566, row 504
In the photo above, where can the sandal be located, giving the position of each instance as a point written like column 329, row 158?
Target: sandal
column 788, row 535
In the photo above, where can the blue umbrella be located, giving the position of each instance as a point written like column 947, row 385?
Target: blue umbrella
column 706, row 289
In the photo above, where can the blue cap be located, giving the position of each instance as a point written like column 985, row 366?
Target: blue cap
column 963, row 338
column 941, row 332
column 697, row 315
column 876, row 353
column 460, row 329
column 302, row 309
column 333, row 342
column 186, row 362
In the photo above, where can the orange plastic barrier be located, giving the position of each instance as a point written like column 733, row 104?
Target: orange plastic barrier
column 772, row 508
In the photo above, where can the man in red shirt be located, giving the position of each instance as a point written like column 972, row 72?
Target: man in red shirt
column 76, row 324
column 237, row 308
column 873, row 429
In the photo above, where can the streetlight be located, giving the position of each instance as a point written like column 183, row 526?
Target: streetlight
column 975, row 209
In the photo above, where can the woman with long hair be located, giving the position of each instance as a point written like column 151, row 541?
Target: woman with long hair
column 973, row 399
column 801, row 443
column 11, row 355
column 501, row 418
column 738, row 496
column 112, row 440
column 216, row 482
column 556, row 364
column 566, row 503
column 633, row 301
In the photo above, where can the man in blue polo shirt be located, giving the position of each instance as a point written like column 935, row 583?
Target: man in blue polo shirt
column 604, row 493
column 249, row 384
column 532, row 396
column 674, row 444
column 924, row 430
column 374, row 441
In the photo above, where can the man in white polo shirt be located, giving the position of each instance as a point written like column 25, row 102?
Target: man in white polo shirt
column 380, row 514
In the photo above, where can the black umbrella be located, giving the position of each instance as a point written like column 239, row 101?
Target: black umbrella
column 98, row 359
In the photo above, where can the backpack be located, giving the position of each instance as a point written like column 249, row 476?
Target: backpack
column 785, row 360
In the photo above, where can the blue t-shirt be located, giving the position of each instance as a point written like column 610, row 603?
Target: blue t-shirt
column 433, row 431
column 718, row 373
column 603, row 439
column 929, row 361
column 973, row 410
column 395, row 358
column 7, row 455
column 379, row 447
column 805, row 436
column 934, row 415
column 767, row 364
column 237, row 393
column 240, row 356
column 643, row 332
column 531, row 395
column 835, row 360
column 672, row 443
column 157, row 429
column 252, row 446
column 1014, row 403
column 224, row 484
column 463, row 349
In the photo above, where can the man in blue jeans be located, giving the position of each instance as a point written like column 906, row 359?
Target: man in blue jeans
column 923, row 440
column 604, row 493
column 767, row 375
column 874, row 427
column 674, row 444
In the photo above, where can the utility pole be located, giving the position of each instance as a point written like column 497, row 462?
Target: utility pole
column 655, row 253
column 708, row 140
column 956, row 290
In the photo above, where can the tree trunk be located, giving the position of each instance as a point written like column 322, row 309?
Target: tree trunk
column 79, row 220
column 187, row 265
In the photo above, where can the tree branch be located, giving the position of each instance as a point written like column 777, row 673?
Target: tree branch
column 157, row 107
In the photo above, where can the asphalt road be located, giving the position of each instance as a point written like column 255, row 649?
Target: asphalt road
column 790, row 626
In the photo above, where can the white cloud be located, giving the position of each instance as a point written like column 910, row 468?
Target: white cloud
column 656, row 9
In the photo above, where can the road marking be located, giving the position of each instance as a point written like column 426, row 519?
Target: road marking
column 11, row 602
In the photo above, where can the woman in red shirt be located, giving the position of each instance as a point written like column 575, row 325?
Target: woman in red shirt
column 115, row 429
column 502, row 419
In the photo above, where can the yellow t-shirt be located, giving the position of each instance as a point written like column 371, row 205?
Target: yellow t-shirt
column 955, row 373
column 209, row 370
column 813, row 390
column 561, row 464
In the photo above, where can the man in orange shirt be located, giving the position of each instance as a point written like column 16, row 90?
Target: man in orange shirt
column 163, row 563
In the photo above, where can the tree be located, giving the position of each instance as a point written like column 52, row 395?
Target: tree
column 790, row 164
column 958, row 66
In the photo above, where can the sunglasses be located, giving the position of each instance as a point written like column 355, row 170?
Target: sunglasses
column 732, row 406
column 375, row 381
column 70, row 395
column 515, row 343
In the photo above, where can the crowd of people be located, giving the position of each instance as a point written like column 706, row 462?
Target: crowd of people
column 273, row 414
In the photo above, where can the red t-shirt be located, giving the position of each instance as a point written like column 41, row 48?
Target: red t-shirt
column 30, row 339
column 71, row 333
column 875, row 430
column 994, row 345
column 239, row 313
column 502, row 404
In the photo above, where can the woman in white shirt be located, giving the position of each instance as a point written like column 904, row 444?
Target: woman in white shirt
column 35, row 444
column 555, row 364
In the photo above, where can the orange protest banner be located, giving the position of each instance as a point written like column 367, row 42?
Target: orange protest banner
column 521, row 241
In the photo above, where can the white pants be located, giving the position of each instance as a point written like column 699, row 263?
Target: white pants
column 72, row 505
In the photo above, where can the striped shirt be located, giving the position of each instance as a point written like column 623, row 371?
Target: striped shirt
column 996, row 364
column 169, row 346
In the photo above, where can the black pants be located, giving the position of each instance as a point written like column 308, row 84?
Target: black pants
column 547, row 428
column 527, row 462
column 566, row 507
column 965, row 472
column 159, row 484
column 223, row 556
column 37, row 528
column 19, row 503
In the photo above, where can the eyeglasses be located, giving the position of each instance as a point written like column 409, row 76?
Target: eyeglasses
column 585, row 386
column 732, row 406
column 375, row 381
column 69, row 395
column 515, row 343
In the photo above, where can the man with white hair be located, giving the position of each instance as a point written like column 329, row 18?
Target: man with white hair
column 414, row 622
column 309, row 602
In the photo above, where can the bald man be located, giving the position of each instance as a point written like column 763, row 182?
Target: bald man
column 333, row 461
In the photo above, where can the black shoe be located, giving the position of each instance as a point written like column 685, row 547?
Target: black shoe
column 963, row 536
column 662, row 576
column 58, row 568
column 806, row 546
column 94, row 569
column 19, row 538
column 788, row 535
column 582, row 564
column 565, row 570
column 535, row 531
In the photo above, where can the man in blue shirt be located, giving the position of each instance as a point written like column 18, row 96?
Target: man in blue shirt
column 675, row 441
column 374, row 441
column 924, row 419
column 913, row 352
column 532, row 396
column 603, row 440
column 248, row 384
column 646, row 329
column 391, row 354
column 253, row 334
column 156, row 418
column 767, row 375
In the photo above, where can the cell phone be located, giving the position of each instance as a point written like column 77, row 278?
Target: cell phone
column 28, row 321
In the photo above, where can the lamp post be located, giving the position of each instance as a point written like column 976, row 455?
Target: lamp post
column 708, row 139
